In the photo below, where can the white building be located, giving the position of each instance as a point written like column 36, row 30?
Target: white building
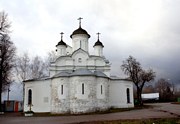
column 79, row 82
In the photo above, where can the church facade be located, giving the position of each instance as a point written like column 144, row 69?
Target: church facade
column 79, row 82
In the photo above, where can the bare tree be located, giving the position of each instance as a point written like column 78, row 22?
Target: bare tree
column 165, row 89
column 38, row 68
column 7, row 56
column 29, row 68
column 23, row 67
column 4, row 23
column 51, row 57
column 139, row 77
column 149, row 89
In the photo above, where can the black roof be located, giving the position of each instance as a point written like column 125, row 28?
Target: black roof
column 61, row 43
column 80, row 31
column 98, row 43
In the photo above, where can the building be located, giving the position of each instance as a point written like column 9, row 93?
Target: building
column 79, row 82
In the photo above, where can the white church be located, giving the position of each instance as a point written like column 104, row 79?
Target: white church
column 79, row 82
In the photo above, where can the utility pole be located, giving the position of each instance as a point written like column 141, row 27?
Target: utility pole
column 8, row 93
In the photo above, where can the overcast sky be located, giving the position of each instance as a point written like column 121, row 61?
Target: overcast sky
column 149, row 30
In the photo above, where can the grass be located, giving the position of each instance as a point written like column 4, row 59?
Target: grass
column 144, row 121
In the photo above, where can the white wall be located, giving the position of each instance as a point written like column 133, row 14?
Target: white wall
column 61, row 50
column 76, row 44
column 72, row 100
column 60, row 102
column 72, row 62
column 91, row 100
column 45, row 99
column 40, row 95
column 68, row 50
column 98, row 50
column 118, row 95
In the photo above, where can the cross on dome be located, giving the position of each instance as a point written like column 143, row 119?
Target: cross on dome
column 98, row 43
column 61, row 35
column 80, row 30
column 80, row 21
column 98, row 34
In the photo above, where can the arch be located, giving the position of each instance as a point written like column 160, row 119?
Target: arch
column 101, row 89
column 82, row 88
column 79, row 60
column 61, row 89
column 128, row 95
column 29, row 97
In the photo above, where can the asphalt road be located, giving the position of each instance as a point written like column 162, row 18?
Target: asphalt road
column 160, row 110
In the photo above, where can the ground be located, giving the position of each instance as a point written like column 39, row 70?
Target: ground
column 160, row 110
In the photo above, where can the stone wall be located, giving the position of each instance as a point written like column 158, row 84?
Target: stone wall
column 99, row 94
column 59, row 100
column 73, row 100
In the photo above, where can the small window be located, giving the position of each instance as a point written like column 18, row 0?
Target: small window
column 101, row 89
column 29, row 97
column 82, row 88
column 61, row 89
column 128, row 95
column 79, row 60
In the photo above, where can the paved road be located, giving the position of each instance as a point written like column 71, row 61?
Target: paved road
column 161, row 110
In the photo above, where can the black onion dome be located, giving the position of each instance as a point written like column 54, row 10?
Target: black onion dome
column 98, row 43
column 80, row 31
column 61, row 43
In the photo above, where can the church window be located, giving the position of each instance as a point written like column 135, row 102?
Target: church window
column 82, row 88
column 128, row 95
column 101, row 89
column 29, row 97
column 61, row 89
column 79, row 60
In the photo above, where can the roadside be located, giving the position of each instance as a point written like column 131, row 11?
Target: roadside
column 160, row 110
column 173, row 109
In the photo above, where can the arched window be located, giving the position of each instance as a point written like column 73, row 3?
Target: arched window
column 82, row 88
column 61, row 89
column 29, row 97
column 101, row 89
column 128, row 95
column 79, row 60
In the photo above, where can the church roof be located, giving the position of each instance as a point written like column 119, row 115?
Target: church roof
column 38, row 79
column 80, row 31
column 63, row 74
column 80, row 72
column 99, row 74
column 61, row 43
column 118, row 78
column 98, row 43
